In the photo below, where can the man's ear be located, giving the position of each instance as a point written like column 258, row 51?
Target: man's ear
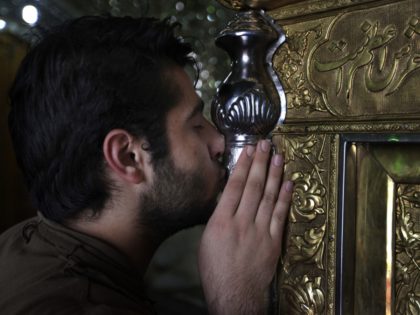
column 124, row 155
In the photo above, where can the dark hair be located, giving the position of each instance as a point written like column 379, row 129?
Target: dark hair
column 83, row 79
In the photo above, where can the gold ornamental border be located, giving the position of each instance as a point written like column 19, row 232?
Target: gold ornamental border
column 312, row 235
column 311, row 7
column 382, row 127
column 332, row 226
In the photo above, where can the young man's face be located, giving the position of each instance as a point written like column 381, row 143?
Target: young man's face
column 187, row 183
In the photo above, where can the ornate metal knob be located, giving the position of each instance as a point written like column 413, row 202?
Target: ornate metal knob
column 250, row 101
column 256, row 4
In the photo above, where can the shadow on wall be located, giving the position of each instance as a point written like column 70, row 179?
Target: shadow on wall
column 14, row 200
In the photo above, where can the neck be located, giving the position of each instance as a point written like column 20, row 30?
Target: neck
column 124, row 233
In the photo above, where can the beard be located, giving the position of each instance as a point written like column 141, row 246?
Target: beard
column 177, row 199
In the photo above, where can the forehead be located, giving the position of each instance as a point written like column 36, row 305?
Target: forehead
column 182, row 82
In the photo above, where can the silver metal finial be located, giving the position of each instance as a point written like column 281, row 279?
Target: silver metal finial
column 251, row 101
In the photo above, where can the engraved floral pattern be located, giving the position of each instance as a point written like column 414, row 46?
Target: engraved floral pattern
column 407, row 247
column 307, row 197
column 307, row 249
column 307, row 225
column 304, row 296
column 299, row 147
column 304, row 148
column 413, row 305
column 290, row 64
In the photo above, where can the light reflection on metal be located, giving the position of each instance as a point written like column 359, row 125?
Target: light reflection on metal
column 251, row 100
column 390, row 211
column 269, row 59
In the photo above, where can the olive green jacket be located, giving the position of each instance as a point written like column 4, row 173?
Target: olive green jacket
column 46, row 268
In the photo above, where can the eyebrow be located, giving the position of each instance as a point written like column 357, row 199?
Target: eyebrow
column 198, row 108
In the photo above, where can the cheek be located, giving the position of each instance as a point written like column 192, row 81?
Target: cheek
column 190, row 152
column 186, row 157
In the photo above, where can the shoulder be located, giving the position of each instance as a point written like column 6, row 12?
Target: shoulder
column 71, row 307
column 15, row 232
column 71, row 298
column 68, row 294
column 37, row 278
column 63, row 306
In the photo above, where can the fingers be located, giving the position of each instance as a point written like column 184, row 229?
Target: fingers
column 253, row 194
column 255, row 184
column 232, row 194
column 271, row 192
column 281, row 211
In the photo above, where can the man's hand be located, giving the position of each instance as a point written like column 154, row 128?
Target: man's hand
column 242, row 242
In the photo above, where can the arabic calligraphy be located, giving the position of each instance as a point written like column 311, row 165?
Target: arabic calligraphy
column 375, row 62
column 413, row 27
column 362, row 57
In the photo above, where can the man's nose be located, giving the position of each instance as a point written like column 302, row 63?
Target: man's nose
column 217, row 144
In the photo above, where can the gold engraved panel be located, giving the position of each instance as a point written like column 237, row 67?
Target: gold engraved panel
column 372, row 236
column 309, row 258
column 360, row 255
column 379, row 251
column 407, row 247
column 351, row 70
column 315, row 6
column 353, row 65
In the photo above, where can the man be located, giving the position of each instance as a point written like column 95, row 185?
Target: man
column 117, row 156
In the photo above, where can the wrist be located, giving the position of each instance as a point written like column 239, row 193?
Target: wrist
column 237, row 303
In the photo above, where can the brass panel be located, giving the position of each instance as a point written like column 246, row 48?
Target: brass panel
column 306, row 282
column 376, row 236
column 402, row 161
column 407, row 245
column 310, row 7
column 371, row 230
column 350, row 69
column 353, row 65
column 394, row 129
column 380, row 229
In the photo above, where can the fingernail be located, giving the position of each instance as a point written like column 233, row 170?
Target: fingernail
column 250, row 150
column 277, row 160
column 265, row 145
column 289, row 186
